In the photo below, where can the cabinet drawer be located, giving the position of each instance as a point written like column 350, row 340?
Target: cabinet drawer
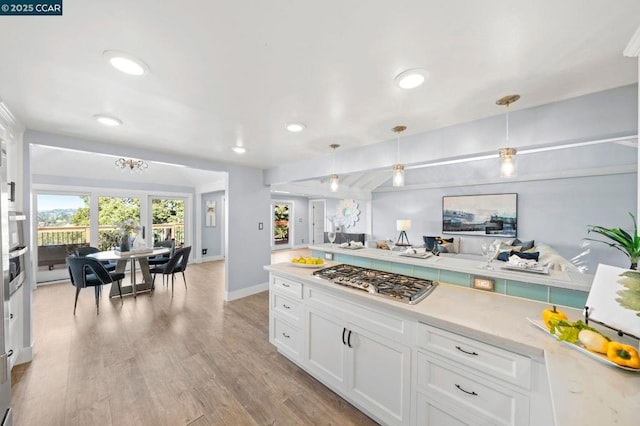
column 285, row 336
column 497, row 404
column 366, row 316
column 500, row 363
column 286, row 306
column 291, row 288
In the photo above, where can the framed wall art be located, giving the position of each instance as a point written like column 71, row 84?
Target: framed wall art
column 486, row 214
column 210, row 215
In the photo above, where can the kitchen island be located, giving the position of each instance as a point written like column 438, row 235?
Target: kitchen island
column 572, row 389
column 557, row 287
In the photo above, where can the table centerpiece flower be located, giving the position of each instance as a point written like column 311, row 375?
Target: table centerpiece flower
column 126, row 227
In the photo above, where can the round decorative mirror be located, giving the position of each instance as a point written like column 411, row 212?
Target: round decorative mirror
column 348, row 212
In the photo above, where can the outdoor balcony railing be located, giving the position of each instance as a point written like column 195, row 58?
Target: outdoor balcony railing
column 108, row 236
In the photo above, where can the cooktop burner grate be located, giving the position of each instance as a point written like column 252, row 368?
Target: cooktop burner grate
column 399, row 287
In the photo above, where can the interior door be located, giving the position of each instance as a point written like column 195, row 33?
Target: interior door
column 317, row 221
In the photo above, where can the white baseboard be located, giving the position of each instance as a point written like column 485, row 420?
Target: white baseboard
column 249, row 291
column 24, row 355
column 211, row 258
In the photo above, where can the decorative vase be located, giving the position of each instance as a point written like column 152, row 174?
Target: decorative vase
column 124, row 242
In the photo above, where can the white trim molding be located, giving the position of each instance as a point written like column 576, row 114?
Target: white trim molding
column 245, row 292
column 633, row 47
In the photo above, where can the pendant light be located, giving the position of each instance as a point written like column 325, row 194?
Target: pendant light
column 334, row 182
column 398, row 169
column 507, row 155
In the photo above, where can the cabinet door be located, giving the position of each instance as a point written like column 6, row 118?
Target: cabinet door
column 324, row 354
column 15, row 327
column 379, row 375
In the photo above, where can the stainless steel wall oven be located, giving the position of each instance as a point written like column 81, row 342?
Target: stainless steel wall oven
column 17, row 252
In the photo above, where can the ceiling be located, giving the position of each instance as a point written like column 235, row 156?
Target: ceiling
column 233, row 73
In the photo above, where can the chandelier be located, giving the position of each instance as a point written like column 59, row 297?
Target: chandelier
column 137, row 166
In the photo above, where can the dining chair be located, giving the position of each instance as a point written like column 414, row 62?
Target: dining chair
column 164, row 258
column 177, row 263
column 88, row 272
column 86, row 250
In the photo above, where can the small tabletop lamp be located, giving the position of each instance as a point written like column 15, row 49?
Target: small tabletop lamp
column 403, row 225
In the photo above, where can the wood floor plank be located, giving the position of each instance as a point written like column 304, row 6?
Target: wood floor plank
column 163, row 358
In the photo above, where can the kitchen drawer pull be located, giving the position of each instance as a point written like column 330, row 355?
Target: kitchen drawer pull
column 285, row 335
column 349, row 339
column 466, row 352
column 285, row 285
column 344, row 330
column 10, row 353
column 466, row 391
column 10, row 316
column 286, row 306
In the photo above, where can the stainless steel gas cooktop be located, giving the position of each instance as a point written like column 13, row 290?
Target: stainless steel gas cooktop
column 399, row 287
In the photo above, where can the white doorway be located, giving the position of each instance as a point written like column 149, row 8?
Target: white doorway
column 316, row 220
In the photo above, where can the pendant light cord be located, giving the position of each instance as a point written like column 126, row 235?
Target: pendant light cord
column 507, row 139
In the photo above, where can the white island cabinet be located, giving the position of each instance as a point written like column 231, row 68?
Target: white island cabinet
column 360, row 353
column 458, row 357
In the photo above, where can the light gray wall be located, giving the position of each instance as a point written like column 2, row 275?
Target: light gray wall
column 212, row 235
column 248, row 248
column 555, row 212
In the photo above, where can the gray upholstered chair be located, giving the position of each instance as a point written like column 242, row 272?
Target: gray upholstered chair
column 88, row 272
column 162, row 259
column 86, row 250
column 177, row 263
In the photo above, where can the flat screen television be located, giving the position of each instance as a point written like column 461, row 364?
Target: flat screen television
column 484, row 214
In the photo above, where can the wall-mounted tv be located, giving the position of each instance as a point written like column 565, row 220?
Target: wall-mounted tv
column 486, row 214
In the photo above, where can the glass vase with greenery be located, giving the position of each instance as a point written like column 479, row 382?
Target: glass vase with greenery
column 620, row 240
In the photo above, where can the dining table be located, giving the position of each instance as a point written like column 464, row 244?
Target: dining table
column 136, row 256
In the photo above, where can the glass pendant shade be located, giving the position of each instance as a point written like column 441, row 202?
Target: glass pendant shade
column 507, row 162
column 334, row 183
column 398, row 175
column 507, row 155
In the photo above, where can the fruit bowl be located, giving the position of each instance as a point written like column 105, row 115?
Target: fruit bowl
column 308, row 262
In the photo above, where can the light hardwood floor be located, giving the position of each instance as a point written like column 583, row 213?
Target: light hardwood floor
column 190, row 359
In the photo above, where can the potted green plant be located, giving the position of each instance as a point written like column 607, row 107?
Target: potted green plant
column 620, row 240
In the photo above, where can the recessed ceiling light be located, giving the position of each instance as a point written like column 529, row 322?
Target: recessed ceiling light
column 125, row 62
column 239, row 149
column 295, row 127
column 108, row 120
column 410, row 79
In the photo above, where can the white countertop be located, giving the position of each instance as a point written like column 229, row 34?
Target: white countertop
column 462, row 263
column 583, row 391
